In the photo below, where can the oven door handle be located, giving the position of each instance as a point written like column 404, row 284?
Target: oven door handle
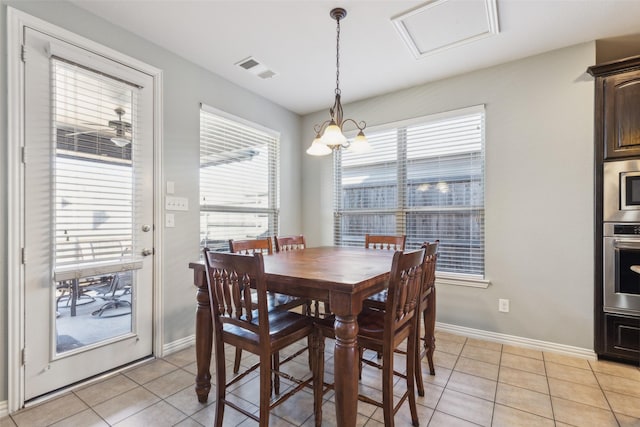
column 626, row 244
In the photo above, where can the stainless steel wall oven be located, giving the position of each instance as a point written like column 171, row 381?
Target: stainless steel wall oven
column 621, row 261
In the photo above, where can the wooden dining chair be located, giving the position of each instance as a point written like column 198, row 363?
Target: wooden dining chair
column 290, row 243
column 260, row 331
column 384, row 331
column 392, row 243
column 275, row 301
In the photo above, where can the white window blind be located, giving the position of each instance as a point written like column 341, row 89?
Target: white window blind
column 238, row 179
column 423, row 178
column 94, row 178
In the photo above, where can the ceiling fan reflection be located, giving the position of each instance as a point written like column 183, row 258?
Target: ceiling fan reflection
column 119, row 130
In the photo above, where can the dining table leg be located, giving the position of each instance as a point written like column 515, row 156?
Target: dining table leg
column 204, row 338
column 346, row 369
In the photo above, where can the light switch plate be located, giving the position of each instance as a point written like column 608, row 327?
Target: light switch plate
column 176, row 203
column 171, row 187
column 170, row 220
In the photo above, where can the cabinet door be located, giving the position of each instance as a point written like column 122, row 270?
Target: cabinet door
column 622, row 337
column 621, row 118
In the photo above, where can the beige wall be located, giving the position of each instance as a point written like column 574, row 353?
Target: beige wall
column 539, row 192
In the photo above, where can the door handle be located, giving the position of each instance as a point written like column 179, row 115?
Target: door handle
column 146, row 228
column 147, row 252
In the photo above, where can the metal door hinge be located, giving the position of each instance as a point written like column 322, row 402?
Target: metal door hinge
column 23, row 256
column 23, row 53
column 23, row 154
column 24, row 356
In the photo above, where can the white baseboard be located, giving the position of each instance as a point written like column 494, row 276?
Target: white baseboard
column 4, row 408
column 566, row 350
column 178, row 345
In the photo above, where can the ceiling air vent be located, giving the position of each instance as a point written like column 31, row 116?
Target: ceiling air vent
column 254, row 66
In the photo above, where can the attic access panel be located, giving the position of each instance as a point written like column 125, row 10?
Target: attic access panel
column 444, row 24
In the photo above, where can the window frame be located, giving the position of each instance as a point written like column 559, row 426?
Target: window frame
column 273, row 208
column 402, row 210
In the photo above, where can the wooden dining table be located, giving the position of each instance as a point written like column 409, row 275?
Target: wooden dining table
column 344, row 276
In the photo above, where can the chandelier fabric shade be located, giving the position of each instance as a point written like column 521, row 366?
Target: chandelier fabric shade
column 330, row 134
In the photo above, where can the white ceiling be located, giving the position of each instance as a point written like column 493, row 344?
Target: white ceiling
column 296, row 39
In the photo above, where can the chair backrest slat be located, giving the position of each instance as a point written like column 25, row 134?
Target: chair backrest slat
column 263, row 246
column 289, row 243
column 392, row 243
column 230, row 277
column 405, row 284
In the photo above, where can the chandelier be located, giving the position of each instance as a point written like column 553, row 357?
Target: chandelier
column 329, row 134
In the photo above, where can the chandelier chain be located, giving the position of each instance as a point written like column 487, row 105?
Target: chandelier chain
column 338, row 56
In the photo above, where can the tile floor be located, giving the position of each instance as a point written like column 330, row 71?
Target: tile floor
column 477, row 383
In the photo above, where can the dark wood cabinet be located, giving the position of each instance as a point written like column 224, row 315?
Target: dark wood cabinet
column 622, row 337
column 617, row 104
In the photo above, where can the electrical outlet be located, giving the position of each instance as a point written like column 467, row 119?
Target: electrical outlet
column 170, row 220
column 503, row 305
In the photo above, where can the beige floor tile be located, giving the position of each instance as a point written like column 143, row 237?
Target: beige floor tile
column 482, row 354
column 477, row 368
column 524, row 379
column 521, row 351
column 472, row 385
column 446, row 336
column 296, row 409
column 120, row 407
column 581, row 415
column 206, row 416
column 6, row 421
column 578, row 393
column 523, row 363
column 440, row 378
column 150, row 371
column 432, row 394
column 450, row 347
column 187, row 402
column 188, row 422
column 615, row 369
column 329, row 418
column 490, row 345
column 619, row 384
column 105, row 390
column 86, row 418
column 440, row 419
column 626, row 421
column 525, row 400
column 182, row 358
column 568, row 373
column 50, row 412
column 467, row 407
column 403, row 416
column 444, row 360
column 504, row 416
column 160, row 414
column 624, row 404
column 170, row 383
column 562, row 359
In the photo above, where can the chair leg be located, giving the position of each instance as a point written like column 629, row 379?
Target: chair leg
column 387, row 386
column 411, row 358
column 221, row 383
column 418, row 357
column 276, row 377
column 317, row 351
column 265, row 388
column 236, row 361
column 430, row 327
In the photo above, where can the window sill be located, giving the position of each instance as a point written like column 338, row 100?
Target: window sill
column 462, row 280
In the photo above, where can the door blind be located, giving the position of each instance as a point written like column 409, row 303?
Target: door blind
column 238, row 179
column 94, row 173
column 424, row 179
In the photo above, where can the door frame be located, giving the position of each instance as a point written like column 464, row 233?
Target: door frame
column 16, row 22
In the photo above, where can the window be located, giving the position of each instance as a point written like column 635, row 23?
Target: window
column 238, row 179
column 423, row 178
